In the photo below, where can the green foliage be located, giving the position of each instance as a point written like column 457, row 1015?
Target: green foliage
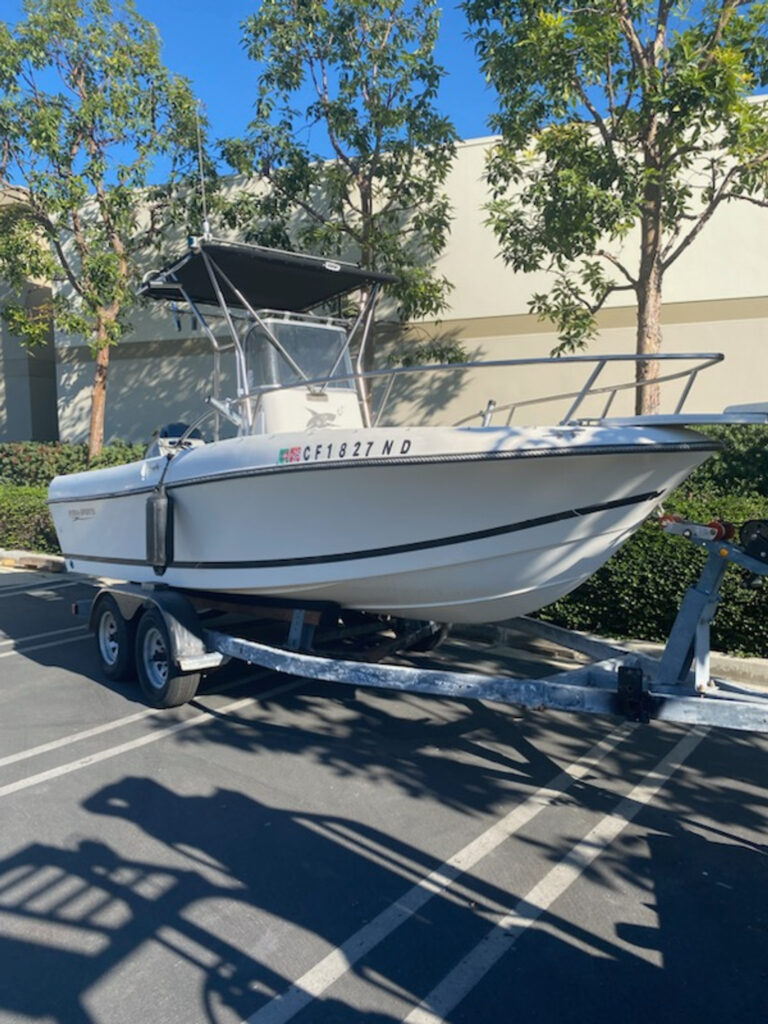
column 436, row 350
column 615, row 116
column 32, row 464
column 87, row 110
column 370, row 71
column 740, row 469
column 25, row 523
column 638, row 592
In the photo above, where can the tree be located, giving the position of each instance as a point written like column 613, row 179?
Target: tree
column 87, row 110
column 624, row 125
column 356, row 81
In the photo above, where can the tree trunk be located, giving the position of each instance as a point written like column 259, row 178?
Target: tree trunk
column 99, row 399
column 648, row 341
column 649, row 279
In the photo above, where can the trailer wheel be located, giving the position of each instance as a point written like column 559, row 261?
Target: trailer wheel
column 161, row 684
column 115, row 637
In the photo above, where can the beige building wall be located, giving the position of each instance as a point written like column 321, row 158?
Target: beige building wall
column 157, row 375
column 716, row 300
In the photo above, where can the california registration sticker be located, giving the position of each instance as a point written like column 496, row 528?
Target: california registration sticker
column 289, row 455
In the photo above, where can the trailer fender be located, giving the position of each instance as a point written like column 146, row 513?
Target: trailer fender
column 189, row 652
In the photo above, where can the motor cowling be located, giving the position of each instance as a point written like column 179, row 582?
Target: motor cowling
column 167, row 440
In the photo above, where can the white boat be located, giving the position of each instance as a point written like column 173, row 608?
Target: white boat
column 313, row 502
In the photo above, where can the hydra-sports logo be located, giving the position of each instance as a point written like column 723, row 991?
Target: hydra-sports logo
column 341, row 450
column 86, row 512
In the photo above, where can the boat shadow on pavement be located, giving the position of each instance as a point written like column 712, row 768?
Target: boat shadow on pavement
column 237, row 898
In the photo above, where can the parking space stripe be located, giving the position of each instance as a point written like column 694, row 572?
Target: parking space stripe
column 118, row 723
column 51, row 643
column 333, row 966
column 502, row 937
column 76, row 737
column 15, row 641
column 141, row 741
column 33, row 588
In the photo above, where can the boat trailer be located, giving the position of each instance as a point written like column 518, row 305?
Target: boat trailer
column 169, row 637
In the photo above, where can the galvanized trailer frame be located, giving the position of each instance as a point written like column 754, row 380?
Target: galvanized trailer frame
column 177, row 646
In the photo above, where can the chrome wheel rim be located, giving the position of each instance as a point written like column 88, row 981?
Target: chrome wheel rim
column 109, row 646
column 155, row 658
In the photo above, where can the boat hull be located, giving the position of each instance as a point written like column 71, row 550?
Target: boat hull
column 431, row 523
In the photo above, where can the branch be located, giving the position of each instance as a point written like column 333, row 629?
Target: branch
column 746, row 199
column 704, row 217
column 597, row 117
column 323, row 92
column 719, row 195
column 724, row 16
column 597, row 305
column 662, row 19
column 609, row 89
column 620, row 267
column 52, row 234
column 639, row 56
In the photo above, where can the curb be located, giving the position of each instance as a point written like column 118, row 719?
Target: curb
column 749, row 671
column 31, row 560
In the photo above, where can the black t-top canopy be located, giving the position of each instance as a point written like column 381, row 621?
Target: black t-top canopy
column 266, row 278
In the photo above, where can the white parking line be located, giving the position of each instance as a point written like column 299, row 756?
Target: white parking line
column 34, row 588
column 118, row 723
column 501, row 938
column 76, row 737
column 141, row 741
column 333, row 966
column 14, row 641
column 51, row 643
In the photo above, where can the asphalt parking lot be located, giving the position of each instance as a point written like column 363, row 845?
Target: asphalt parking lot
column 281, row 850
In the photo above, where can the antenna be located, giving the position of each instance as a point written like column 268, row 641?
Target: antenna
column 206, row 225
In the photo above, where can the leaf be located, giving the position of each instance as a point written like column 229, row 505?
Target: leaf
column 617, row 118
column 372, row 81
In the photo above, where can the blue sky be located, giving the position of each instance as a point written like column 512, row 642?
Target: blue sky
column 202, row 40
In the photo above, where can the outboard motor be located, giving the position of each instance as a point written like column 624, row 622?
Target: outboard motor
column 166, row 440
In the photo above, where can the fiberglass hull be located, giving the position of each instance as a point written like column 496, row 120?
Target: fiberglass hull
column 472, row 525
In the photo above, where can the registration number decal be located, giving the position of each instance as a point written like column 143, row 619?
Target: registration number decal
column 338, row 450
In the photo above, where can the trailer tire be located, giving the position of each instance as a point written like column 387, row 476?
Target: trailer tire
column 160, row 682
column 115, row 640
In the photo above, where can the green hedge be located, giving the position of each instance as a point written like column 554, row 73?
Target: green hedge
column 25, row 522
column 741, row 468
column 638, row 592
column 35, row 464
column 26, row 469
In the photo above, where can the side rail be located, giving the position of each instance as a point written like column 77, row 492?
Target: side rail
column 593, row 365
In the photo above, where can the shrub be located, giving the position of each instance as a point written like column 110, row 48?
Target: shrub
column 35, row 464
column 741, row 468
column 638, row 592
column 25, row 522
